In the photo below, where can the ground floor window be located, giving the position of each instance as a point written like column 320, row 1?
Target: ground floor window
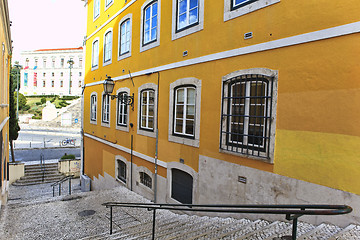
column 121, row 170
column 145, row 179
column 181, row 186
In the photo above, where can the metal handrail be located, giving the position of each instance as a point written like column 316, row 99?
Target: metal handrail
column 69, row 177
column 42, row 165
column 291, row 212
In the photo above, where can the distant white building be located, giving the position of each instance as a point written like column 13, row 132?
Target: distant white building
column 47, row 72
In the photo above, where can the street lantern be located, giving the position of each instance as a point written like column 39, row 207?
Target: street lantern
column 109, row 85
column 71, row 63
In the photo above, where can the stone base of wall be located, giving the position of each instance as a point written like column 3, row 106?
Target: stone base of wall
column 219, row 184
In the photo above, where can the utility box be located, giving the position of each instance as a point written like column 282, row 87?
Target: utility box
column 85, row 183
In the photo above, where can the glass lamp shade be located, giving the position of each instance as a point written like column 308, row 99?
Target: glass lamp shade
column 108, row 85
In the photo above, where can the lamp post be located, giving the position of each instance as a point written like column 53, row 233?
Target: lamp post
column 71, row 63
column 17, row 89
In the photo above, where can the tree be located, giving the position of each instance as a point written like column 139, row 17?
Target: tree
column 14, row 127
column 22, row 100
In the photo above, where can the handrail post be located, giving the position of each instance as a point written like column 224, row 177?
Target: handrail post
column 111, row 219
column 53, row 191
column 70, row 186
column 294, row 228
column 153, row 229
column 59, row 189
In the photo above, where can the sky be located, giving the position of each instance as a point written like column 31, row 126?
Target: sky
column 46, row 24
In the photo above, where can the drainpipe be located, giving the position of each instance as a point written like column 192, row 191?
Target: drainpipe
column 157, row 139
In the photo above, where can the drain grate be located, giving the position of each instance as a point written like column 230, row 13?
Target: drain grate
column 86, row 213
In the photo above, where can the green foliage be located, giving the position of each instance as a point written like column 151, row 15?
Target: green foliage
column 68, row 156
column 43, row 100
column 69, row 97
column 38, row 103
column 14, row 127
column 25, row 108
column 36, row 117
column 22, row 100
column 38, row 112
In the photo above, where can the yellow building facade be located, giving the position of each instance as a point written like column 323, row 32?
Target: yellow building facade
column 234, row 101
column 5, row 39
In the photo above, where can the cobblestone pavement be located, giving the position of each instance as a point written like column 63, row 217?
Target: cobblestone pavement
column 32, row 212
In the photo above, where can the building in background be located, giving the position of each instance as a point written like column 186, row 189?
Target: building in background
column 5, row 62
column 234, row 102
column 47, row 72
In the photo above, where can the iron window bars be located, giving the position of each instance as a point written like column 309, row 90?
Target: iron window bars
column 246, row 115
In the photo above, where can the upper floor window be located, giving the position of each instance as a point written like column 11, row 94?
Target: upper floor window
column 44, row 63
column 44, row 74
column 80, row 62
column 44, row 83
column 247, row 124
column 95, row 55
column 52, row 83
column 61, row 83
column 108, row 3
column 122, row 110
column 125, row 37
column 36, row 62
column 184, row 108
column 106, row 109
column 27, row 62
column 79, row 84
column 187, row 18
column 150, row 25
column 147, row 109
column 187, row 13
column 236, row 8
column 150, row 22
column 53, row 74
column 62, row 62
column 61, row 74
column 107, row 47
column 96, row 9
column 53, row 63
column 93, row 107
column 80, row 74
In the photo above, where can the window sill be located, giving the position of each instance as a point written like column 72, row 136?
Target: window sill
column 93, row 122
column 107, row 63
column 262, row 156
column 103, row 124
column 122, row 128
column 146, row 133
column 185, row 141
column 94, row 68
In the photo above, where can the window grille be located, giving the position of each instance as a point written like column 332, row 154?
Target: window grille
column 246, row 115
column 145, row 179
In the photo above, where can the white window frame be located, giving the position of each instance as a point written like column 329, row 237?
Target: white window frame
column 96, row 12
column 108, row 3
column 185, row 110
column 156, row 42
column 95, row 54
column 248, row 8
column 104, row 110
column 272, row 106
column 126, row 126
column 108, row 50
column 179, row 33
column 142, row 131
column 123, row 159
column 195, row 140
column 93, row 108
column 128, row 17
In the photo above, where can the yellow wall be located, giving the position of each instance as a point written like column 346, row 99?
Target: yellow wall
column 317, row 132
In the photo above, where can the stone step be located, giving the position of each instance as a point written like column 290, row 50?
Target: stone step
column 350, row 232
column 38, row 166
column 40, row 175
column 198, row 229
column 32, row 170
column 254, row 226
column 33, row 182
column 302, row 228
column 323, row 231
column 231, row 226
column 265, row 232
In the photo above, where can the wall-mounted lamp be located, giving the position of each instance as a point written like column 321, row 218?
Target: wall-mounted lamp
column 109, row 88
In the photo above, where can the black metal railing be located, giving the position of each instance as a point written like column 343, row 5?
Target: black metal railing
column 60, row 182
column 291, row 212
column 42, row 165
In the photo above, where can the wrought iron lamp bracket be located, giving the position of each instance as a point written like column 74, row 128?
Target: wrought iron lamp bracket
column 128, row 100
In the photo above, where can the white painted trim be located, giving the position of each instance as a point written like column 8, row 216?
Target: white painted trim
column 105, row 124
column 148, row 133
column 3, row 123
column 261, row 47
column 112, row 18
column 127, row 150
column 97, row 108
column 109, row 30
column 92, row 54
column 4, row 105
column 110, row 4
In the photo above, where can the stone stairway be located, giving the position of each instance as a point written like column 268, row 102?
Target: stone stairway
column 35, row 175
column 171, row 226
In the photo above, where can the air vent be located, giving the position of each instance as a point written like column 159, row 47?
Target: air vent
column 185, row 53
column 242, row 179
column 248, row 35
